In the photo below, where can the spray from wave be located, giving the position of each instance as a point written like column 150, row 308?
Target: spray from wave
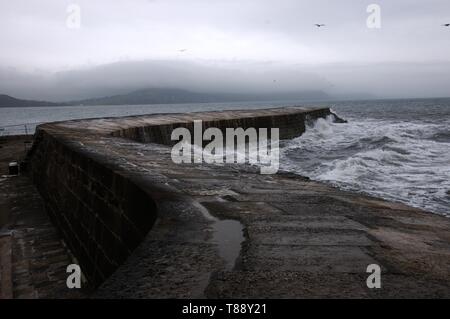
column 392, row 159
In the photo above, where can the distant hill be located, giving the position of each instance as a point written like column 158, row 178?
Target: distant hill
column 9, row 101
column 169, row 96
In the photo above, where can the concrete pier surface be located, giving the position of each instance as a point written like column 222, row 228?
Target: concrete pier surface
column 142, row 226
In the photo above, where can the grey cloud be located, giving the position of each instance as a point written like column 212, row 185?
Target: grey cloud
column 123, row 77
column 339, row 79
column 230, row 45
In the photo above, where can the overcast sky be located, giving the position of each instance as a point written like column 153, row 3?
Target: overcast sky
column 224, row 45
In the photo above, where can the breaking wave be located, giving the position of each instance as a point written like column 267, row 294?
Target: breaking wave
column 403, row 161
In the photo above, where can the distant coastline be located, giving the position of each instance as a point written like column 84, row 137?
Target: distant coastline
column 9, row 101
column 180, row 96
column 167, row 96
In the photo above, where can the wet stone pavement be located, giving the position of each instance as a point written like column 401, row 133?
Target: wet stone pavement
column 300, row 238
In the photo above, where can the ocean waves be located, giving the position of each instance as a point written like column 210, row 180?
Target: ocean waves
column 405, row 161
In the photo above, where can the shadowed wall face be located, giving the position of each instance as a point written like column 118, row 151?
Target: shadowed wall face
column 101, row 215
column 290, row 126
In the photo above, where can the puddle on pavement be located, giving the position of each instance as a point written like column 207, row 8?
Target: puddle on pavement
column 228, row 234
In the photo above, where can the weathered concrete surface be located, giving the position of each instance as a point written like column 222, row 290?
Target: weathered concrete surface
column 302, row 238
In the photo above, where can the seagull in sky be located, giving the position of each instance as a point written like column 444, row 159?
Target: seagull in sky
column 446, row 25
column 319, row 25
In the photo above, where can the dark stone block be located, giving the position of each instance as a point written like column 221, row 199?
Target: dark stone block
column 139, row 208
column 131, row 235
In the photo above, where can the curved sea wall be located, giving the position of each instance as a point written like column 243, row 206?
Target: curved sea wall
column 101, row 214
column 104, row 206
column 291, row 124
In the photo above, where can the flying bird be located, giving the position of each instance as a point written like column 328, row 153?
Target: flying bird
column 319, row 25
column 446, row 25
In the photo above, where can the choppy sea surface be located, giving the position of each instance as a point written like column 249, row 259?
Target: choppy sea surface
column 394, row 149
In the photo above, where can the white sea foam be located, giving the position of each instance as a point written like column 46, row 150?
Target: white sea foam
column 391, row 159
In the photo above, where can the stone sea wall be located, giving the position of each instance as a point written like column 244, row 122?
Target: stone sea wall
column 104, row 211
column 99, row 212
column 290, row 125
